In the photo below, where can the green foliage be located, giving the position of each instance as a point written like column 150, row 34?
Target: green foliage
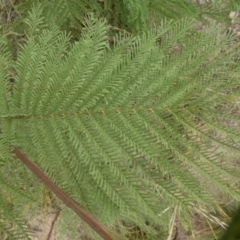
column 142, row 130
column 131, row 15
column 233, row 231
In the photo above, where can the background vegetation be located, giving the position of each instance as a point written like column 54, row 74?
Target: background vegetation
column 166, row 108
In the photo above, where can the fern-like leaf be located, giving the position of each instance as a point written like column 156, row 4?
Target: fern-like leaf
column 129, row 130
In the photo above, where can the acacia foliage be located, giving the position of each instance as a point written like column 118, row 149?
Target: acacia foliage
column 133, row 130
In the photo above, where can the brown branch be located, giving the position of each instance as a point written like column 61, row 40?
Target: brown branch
column 97, row 226
column 76, row 207
column 176, row 234
column 52, row 225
